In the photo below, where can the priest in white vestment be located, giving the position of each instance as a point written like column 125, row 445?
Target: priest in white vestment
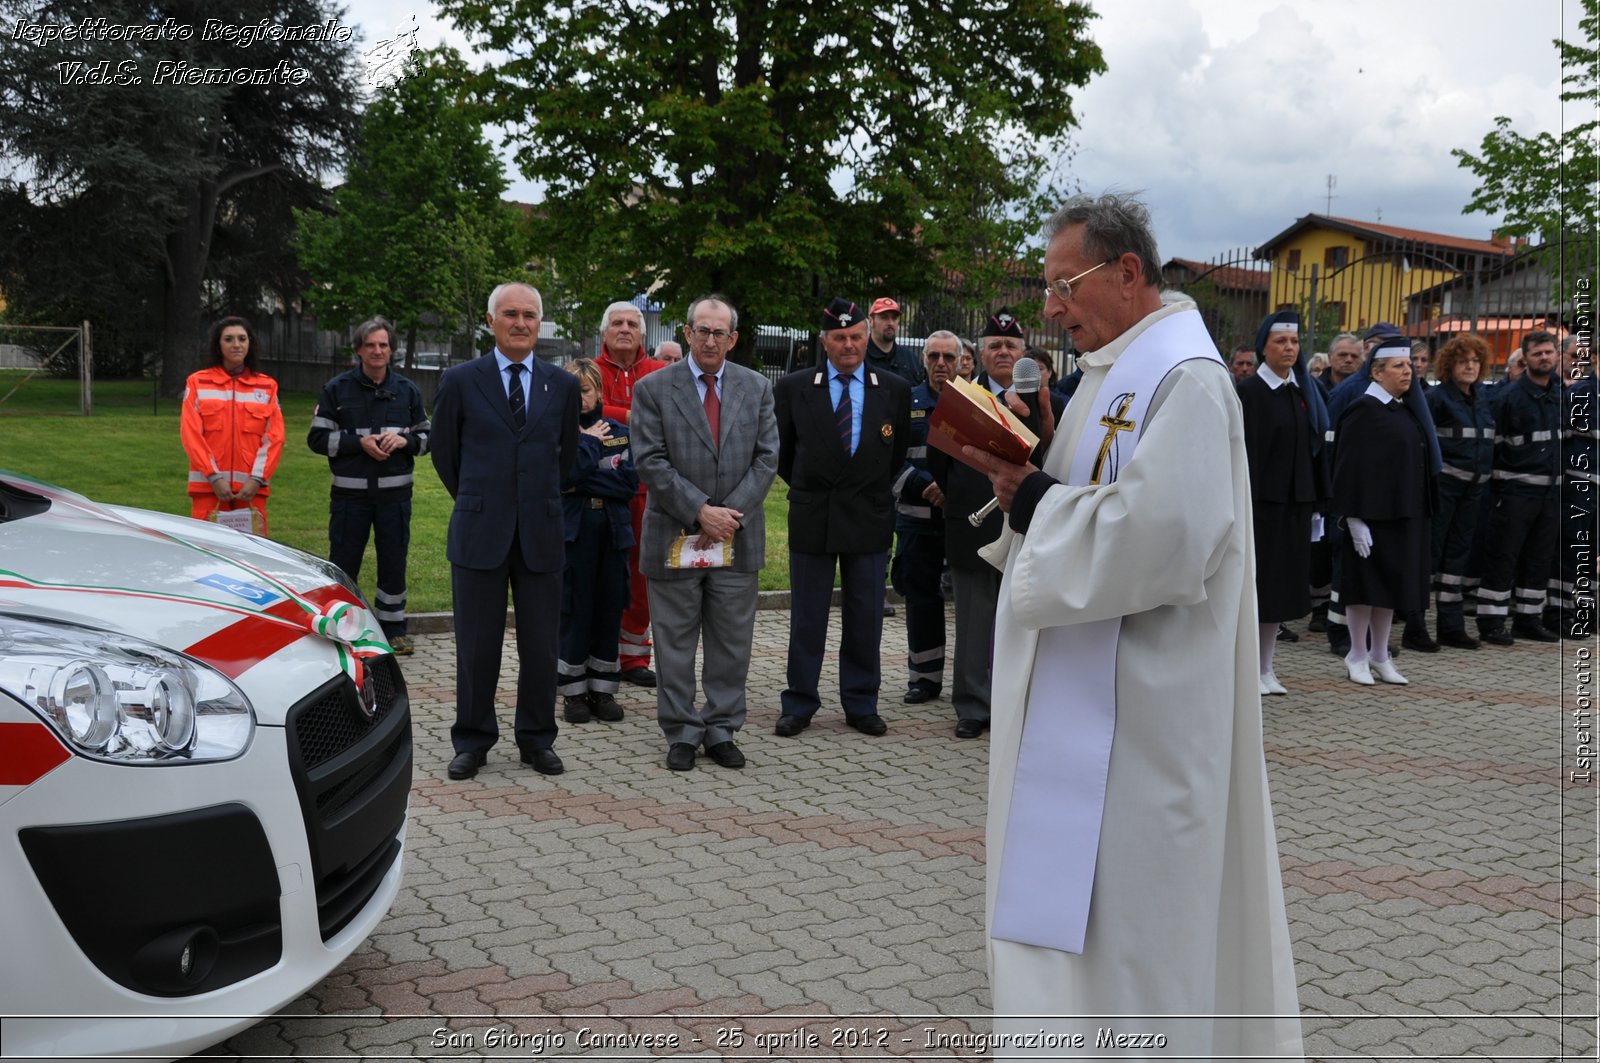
column 1135, row 906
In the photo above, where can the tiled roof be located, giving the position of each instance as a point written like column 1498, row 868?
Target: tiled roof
column 1379, row 231
column 1226, row 278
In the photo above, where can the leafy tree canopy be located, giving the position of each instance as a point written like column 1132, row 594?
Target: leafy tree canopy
column 128, row 161
column 418, row 231
column 1548, row 185
column 774, row 149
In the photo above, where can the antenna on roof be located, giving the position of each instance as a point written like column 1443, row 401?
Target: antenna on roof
column 1333, row 182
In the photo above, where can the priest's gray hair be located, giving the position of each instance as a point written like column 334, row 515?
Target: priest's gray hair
column 1114, row 225
column 714, row 297
column 620, row 305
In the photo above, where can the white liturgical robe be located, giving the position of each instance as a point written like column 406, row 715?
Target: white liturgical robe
column 1186, row 950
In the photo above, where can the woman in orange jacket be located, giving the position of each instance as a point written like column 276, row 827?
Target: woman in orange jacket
column 232, row 427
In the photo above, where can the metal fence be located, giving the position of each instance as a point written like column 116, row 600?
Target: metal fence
column 1429, row 292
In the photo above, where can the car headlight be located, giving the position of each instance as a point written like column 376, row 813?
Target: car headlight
column 118, row 698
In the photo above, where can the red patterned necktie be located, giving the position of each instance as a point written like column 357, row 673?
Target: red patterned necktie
column 713, row 407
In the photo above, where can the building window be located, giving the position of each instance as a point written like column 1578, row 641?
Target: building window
column 1293, row 263
column 1336, row 257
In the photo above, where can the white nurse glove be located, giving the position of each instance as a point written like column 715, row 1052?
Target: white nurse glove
column 1360, row 536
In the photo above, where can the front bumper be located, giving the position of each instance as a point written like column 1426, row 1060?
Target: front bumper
column 158, row 910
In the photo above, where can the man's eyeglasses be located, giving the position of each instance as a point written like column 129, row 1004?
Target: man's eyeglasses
column 700, row 332
column 936, row 356
column 1062, row 289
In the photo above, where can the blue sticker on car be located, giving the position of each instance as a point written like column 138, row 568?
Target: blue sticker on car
column 248, row 591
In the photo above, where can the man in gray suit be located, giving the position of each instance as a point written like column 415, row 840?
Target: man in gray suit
column 705, row 441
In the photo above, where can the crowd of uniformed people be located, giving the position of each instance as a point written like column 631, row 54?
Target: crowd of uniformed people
column 1374, row 491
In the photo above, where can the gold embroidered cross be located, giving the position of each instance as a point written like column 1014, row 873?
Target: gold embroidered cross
column 1113, row 423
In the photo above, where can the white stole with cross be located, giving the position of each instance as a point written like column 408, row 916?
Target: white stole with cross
column 1052, row 837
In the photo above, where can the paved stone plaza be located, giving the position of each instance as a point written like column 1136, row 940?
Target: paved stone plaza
column 827, row 901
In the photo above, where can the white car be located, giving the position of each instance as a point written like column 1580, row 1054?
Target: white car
column 205, row 760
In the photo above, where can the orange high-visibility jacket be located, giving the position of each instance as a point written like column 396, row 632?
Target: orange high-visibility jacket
column 232, row 426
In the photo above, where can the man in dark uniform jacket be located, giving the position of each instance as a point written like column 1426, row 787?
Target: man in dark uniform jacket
column 976, row 583
column 842, row 436
column 1524, row 519
column 505, row 433
column 919, row 523
column 371, row 424
column 884, row 353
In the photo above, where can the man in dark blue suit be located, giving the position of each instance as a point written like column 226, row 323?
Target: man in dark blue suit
column 506, row 431
column 843, row 430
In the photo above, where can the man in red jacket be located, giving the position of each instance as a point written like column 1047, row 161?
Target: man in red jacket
column 623, row 364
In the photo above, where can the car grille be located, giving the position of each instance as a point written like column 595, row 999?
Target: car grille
column 353, row 776
column 335, row 721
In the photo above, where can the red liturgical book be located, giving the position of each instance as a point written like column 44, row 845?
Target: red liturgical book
column 967, row 414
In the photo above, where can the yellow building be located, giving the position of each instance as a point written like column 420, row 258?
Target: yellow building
column 1355, row 273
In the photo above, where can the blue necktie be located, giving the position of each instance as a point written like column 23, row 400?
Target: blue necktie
column 519, row 404
column 842, row 412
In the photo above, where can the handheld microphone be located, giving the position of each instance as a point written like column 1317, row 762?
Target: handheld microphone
column 1025, row 378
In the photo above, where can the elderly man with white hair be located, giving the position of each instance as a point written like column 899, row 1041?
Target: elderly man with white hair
column 623, row 364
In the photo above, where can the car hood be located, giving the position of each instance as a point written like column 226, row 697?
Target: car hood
column 241, row 603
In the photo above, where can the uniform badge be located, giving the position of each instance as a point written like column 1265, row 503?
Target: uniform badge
column 887, row 431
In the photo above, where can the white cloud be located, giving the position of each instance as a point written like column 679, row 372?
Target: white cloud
column 1230, row 114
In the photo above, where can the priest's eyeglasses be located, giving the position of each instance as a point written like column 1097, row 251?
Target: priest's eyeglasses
column 700, row 332
column 1062, row 288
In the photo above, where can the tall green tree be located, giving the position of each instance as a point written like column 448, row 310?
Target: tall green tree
column 418, row 231
column 125, row 164
column 771, row 148
column 1548, row 185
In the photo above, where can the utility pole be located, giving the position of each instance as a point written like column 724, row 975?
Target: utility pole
column 1333, row 182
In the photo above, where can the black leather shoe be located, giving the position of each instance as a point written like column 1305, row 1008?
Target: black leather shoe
column 576, row 710
column 789, row 726
column 1339, row 647
column 971, row 728
column 1285, row 635
column 680, row 757
column 1533, row 631
column 544, row 761
column 1459, row 640
column 1419, row 641
column 465, row 765
column 604, row 707
column 639, row 677
column 916, row 695
column 1496, row 636
column 725, row 753
column 868, row 725
column 1318, row 622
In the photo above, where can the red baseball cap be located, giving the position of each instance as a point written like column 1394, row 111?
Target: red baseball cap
column 885, row 305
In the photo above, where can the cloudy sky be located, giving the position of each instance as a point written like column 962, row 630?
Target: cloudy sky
column 1231, row 114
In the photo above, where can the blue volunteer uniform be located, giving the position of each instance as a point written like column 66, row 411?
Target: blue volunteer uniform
column 598, row 529
column 370, row 495
column 918, row 566
column 1524, row 511
column 1465, row 426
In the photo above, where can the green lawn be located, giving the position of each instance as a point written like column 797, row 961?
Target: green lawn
column 126, row 454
